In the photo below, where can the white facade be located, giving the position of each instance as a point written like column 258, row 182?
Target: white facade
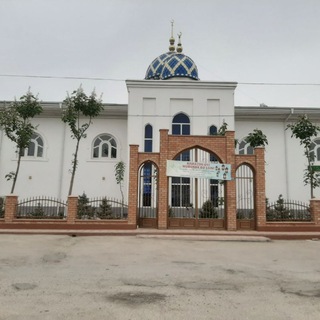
column 50, row 174
column 285, row 160
column 157, row 102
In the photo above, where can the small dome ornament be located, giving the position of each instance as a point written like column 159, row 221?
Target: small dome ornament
column 179, row 47
column 172, row 48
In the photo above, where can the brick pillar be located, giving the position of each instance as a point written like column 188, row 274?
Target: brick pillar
column 163, row 181
column 72, row 209
column 315, row 210
column 133, row 185
column 10, row 208
column 260, row 188
column 230, row 186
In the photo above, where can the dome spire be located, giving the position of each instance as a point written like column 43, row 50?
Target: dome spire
column 179, row 46
column 172, row 48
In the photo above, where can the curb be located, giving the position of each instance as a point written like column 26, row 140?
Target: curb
column 206, row 238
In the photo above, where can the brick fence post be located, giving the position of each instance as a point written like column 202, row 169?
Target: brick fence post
column 260, row 188
column 10, row 208
column 163, row 181
column 72, row 209
column 315, row 210
column 133, row 185
column 230, row 186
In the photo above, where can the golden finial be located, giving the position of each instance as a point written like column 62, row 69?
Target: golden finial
column 172, row 47
column 179, row 46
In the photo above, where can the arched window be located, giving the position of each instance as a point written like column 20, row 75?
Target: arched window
column 35, row 148
column 148, row 138
column 181, row 125
column 245, row 148
column 105, row 147
column 213, row 131
column 180, row 187
column 315, row 149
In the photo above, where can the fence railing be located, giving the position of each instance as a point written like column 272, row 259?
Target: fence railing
column 101, row 208
column 288, row 210
column 41, row 208
column 2, row 204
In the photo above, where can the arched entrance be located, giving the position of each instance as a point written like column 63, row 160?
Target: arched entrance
column 148, row 196
column 196, row 203
column 171, row 197
column 245, row 197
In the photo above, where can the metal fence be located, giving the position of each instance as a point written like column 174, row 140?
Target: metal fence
column 41, row 208
column 2, row 204
column 245, row 193
column 101, row 208
column 196, row 198
column 288, row 210
column 148, row 191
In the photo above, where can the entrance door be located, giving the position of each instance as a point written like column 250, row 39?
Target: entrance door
column 148, row 196
column 245, row 198
column 196, row 203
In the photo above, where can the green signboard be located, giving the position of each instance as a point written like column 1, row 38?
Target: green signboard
column 315, row 168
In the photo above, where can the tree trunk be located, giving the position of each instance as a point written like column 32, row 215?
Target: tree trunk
column 17, row 172
column 310, row 172
column 74, row 167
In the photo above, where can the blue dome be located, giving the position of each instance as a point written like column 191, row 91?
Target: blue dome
column 171, row 65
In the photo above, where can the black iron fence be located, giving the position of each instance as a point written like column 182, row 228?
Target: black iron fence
column 245, row 193
column 101, row 208
column 288, row 210
column 2, row 204
column 41, row 208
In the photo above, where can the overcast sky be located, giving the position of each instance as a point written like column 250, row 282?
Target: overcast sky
column 264, row 41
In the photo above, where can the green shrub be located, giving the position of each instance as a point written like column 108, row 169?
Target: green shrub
column 208, row 210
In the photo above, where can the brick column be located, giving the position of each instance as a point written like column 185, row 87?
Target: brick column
column 315, row 210
column 163, row 181
column 10, row 208
column 72, row 209
column 230, row 201
column 230, row 186
column 133, row 185
column 260, row 188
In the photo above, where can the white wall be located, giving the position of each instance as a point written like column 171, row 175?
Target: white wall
column 157, row 102
column 284, row 157
column 37, row 176
column 50, row 175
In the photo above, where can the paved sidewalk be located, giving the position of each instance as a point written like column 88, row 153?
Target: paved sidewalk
column 218, row 235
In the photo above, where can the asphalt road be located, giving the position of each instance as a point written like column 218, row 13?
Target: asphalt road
column 115, row 277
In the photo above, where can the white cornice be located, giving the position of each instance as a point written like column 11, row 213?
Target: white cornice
column 275, row 113
column 183, row 84
column 54, row 110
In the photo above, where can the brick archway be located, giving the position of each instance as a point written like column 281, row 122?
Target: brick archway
column 170, row 146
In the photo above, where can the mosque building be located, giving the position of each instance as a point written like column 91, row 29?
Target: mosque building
column 182, row 170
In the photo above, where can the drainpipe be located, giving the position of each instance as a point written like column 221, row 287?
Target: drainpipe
column 286, row 152
column 1, row 151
